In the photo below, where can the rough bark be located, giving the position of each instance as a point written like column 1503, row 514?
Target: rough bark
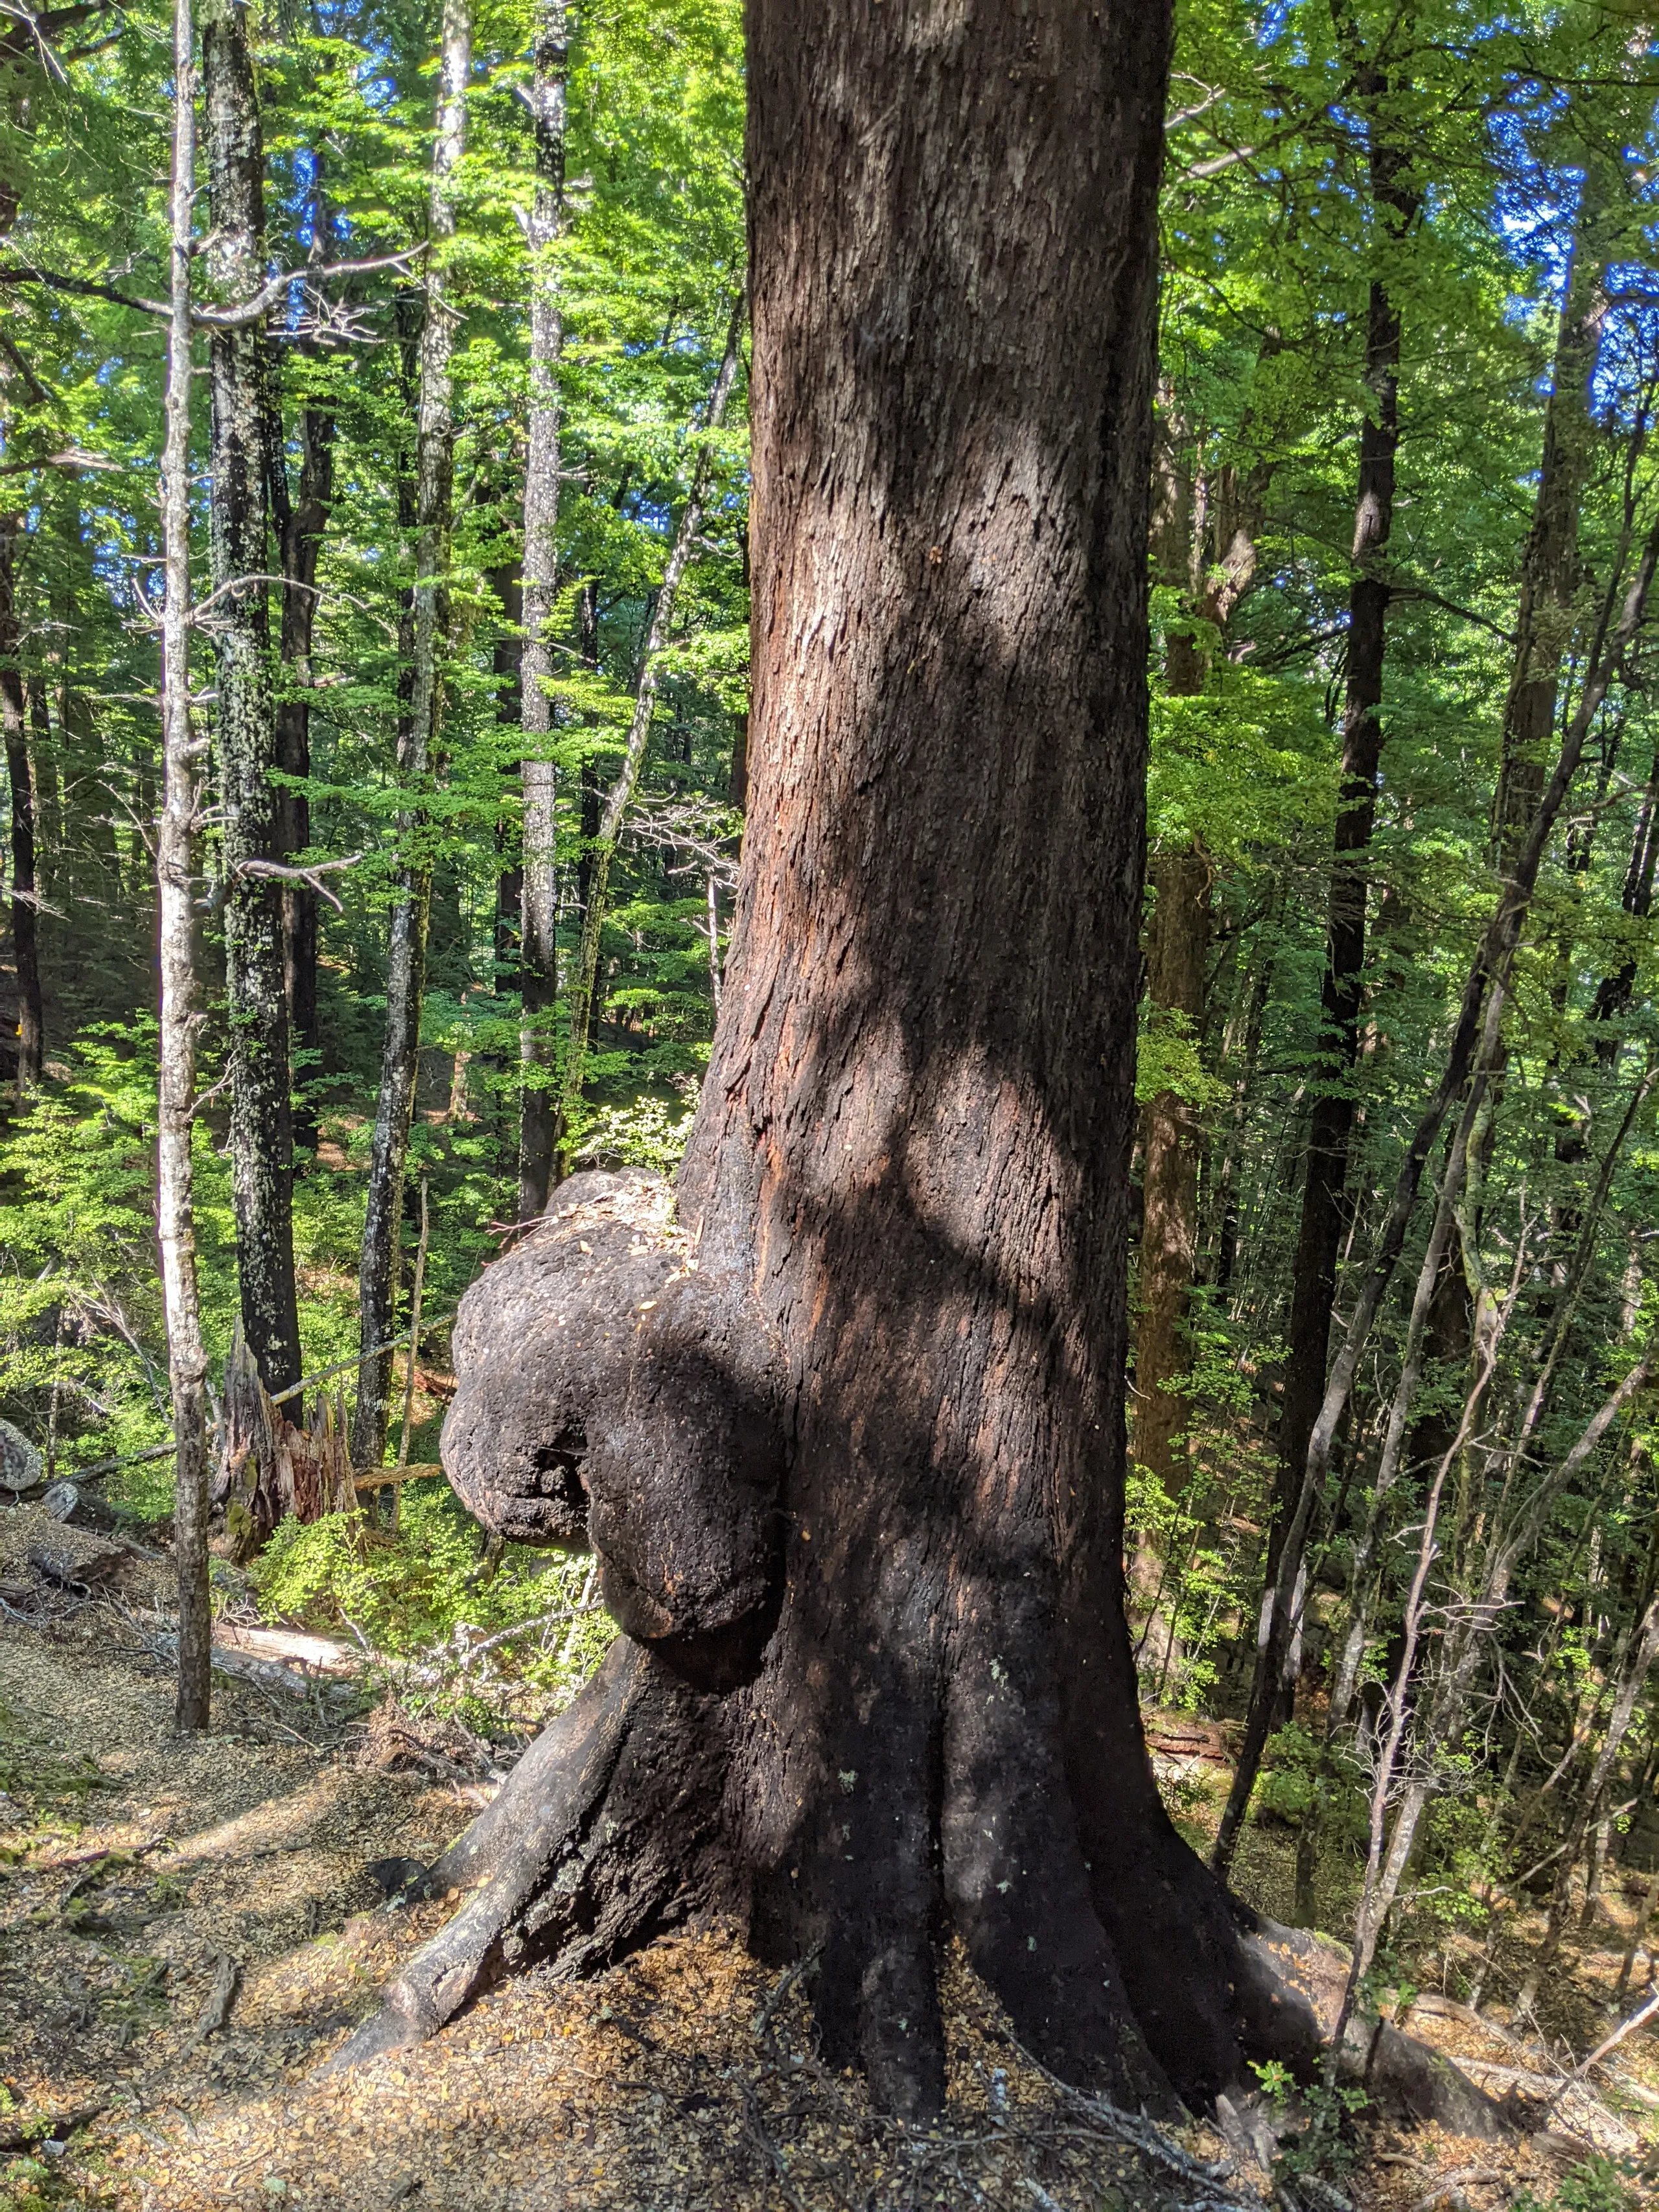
column 25, row 930
column 175, row 856
column 538, row 965
column 850, row 1434
column 377, row 1279
column 244, row 727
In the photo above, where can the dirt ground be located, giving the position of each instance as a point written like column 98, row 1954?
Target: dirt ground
column 189, row 1928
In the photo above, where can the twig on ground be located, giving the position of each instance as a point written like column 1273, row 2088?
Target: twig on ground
column 1645, row 2011
column 1447, row 2183
column 220, row 1997
column 755, row 2128
column 779, row 1989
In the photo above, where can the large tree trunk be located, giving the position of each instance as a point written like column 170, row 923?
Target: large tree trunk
column 538, row 962
column 261, row 1135
column 850, row 1439
column 377, row 1277
column 25, row 932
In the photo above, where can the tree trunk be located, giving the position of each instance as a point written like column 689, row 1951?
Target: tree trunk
column 1632, row 1681
column 538, row 965
column 1320, row 1235
column 300, row 521
column 850, row 1439
column 1172, row 1138
column 620, row 797
column 175, row 880
column 507, row 660
column 1552, row 569
column 377, row 1280
column 261, row 1135
column 25, row 932
column 1179, row 942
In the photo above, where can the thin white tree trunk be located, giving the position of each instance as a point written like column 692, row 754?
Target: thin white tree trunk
column 539, row 907
column 175, row 873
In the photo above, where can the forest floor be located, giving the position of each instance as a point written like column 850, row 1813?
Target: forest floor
column 188, row 1928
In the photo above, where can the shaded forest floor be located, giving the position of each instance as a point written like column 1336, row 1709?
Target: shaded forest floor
column 188, row 1928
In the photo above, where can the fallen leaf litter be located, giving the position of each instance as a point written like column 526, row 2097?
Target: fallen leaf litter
column 185, row 1941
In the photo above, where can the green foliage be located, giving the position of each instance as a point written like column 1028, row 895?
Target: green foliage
column 1600, row 2183
column 1169, row 1057
column 424, row 1596
column 1316, row 2123
column 648, row 1132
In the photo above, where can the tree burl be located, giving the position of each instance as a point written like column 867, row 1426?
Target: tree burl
column 845, row 1425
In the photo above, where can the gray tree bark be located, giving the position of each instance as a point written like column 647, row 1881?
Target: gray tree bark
column 261, row 1131
column 175, row 880
column 25, row 925
column 538, row 961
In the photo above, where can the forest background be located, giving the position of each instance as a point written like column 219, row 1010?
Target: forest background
column 468, row 490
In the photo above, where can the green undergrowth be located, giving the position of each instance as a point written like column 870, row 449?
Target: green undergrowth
column 423, row 1598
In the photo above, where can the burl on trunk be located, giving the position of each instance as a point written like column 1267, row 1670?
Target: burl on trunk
column 846, row 1433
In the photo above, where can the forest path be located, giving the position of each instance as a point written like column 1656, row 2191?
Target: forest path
column 134, row 1864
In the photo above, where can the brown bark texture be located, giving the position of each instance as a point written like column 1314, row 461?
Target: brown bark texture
column 848, row 1438
column 25, row 929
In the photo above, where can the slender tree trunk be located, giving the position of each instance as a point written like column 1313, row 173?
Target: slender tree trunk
column 1178, row 943
column 620, row 797
column 1552, row 567
column 1172, row 1137
column 261, row 1133
column 175, row 879
column 1612, row 993
column 507, row 667
column 1319, row 1238
column 25, row 928
column 1330, row 1129
column 302, row 521
column 538, row 930
column 1632, row 1679
column 377, row 1281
